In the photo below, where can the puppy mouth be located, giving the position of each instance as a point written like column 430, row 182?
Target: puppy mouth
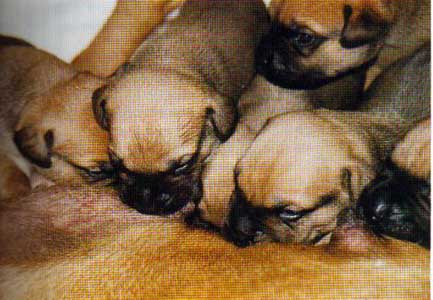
column 243, row 227
column 277, row 61
column 157, row 195
column 397, row 205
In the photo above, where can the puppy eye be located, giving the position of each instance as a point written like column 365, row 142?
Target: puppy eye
column 101, row 172
column 183, row 166
column 288, row 215
column 303, row 39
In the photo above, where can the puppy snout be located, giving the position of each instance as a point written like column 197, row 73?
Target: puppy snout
column 242, row 231
column 242, row 228
column 395, row 204
column 156, row 195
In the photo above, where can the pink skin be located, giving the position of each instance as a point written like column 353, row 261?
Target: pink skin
column 53, row 220
column 354, row 237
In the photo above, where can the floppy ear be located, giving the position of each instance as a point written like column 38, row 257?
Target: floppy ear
column 363, row 28
column 99, row 108
column 223, row 119
column 34, row 146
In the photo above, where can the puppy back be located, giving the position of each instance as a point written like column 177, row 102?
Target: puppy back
column 403, row 89
column 212, row 40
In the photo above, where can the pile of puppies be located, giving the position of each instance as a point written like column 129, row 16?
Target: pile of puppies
column 292, row 154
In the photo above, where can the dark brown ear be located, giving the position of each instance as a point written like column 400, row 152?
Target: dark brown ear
column 223, row 120
column 34, row 146
column 365, row 28
column 99, row 104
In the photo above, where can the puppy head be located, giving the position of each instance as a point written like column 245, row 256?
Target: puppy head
column 314, row 42
column 58, row 133
column 162, row 127
column 294, row 181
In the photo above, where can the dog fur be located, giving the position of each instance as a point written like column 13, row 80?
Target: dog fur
column 319, row 158
column 314, row 42
column 175, row 101
column 49, row 105
column 80, row 243
column 129, row 24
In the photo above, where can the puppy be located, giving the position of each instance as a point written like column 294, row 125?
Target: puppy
column 50, row 106
column 82, row 243
column 124, row 31
column 303, row 169
column 175, row 101
column 397, row 202
column 314, row 42
column 262, row 101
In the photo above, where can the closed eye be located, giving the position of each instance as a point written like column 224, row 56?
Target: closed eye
column 184, row 165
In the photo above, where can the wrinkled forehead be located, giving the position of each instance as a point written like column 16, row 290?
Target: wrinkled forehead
column 321, row 16
column 326, row 16
column 296, row 155
column 150, row 92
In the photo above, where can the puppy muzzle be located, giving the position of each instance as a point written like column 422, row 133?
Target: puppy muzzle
column 277, row 61
column 243, row 226
column 158, row 194
column 280, row 63
column 398, row 205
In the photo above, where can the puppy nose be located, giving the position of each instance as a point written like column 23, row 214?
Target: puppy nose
column 379, row 210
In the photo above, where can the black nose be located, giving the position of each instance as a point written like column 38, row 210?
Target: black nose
column 156, row 195
column 243, row 226
column 398, row 205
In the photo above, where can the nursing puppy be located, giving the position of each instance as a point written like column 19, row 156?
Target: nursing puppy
column 397, row 202
column 49, row 104
column 175, row 101
column 82, row 243
column 314, row 42
column 303, row 169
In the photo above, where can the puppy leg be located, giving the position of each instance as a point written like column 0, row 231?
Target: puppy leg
column 13, row 181
column 413, row 153
column 124, row 31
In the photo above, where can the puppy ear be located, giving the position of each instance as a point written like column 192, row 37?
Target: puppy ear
column 34, row 146
column 368, row 26
column 99, row 108
column 222, row 119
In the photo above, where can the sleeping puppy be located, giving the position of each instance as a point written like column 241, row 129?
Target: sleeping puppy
column 49, row 104
column 260, row 102
column 82, row 243
column 397, row 202
column 314, row 42
column 175, row 101
column 303, row 169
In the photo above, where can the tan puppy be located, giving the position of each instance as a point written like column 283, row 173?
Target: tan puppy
column 303, row 169
column 127, row 27
column 49, row 104
column 262, row 101
column 175, row 102
column 314, row 42
column 84, row 244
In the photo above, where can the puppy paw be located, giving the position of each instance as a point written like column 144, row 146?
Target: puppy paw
column 35, row 145
column 398, row 205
